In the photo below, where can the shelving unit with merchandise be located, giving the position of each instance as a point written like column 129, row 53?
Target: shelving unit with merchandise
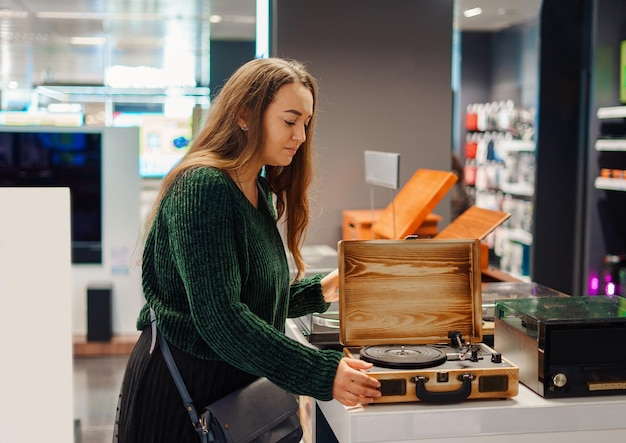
column 500, row 175
column 610, row 147
column 603, row 247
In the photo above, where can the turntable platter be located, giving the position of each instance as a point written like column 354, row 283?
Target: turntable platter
column 403, row 357
column 328, row 319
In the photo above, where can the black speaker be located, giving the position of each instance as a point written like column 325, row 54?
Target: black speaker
column 99, row 314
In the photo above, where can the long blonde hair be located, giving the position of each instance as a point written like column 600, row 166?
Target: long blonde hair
column 222, row 144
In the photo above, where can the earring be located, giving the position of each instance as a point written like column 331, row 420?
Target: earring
column 244, row 128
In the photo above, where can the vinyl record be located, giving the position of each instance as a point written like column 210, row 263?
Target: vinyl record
column 403, row 357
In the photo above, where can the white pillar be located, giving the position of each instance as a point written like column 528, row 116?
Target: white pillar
column 35, row 327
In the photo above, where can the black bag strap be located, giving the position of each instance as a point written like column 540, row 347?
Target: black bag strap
column 201, row 426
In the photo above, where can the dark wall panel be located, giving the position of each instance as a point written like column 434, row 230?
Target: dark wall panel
column 606, row 211
column 561, row 143
column 226, row 57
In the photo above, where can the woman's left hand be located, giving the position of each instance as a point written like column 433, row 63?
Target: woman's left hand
column 330, row 286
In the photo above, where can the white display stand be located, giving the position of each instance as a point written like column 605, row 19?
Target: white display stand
column 526, row 417
column 35, row 330
column 121, row 242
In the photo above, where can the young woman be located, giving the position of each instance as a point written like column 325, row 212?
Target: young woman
column 214, row 265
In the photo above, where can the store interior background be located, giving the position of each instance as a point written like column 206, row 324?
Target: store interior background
column 394, row 76
column 395, row 79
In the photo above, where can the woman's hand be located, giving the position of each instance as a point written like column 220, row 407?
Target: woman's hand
column 330, row 286
column 352, row 386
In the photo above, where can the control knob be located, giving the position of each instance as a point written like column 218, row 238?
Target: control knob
column 559, row 380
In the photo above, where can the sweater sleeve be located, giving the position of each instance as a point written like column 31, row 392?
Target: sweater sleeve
column 306, row 297
column 203, row 238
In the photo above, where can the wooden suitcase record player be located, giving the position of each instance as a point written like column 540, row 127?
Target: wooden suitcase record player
column 413, row 308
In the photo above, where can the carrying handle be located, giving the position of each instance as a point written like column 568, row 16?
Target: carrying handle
column 440, row 397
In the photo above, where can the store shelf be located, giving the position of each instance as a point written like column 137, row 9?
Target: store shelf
column 499, row 165
column 612, row 112
column 518, row 235
column 516, row 145
column 610, row 184
column 606, row 144
column 518, row 189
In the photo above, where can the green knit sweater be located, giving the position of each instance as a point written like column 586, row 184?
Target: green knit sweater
column 215, row 272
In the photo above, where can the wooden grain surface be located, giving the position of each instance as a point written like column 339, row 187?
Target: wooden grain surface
column 508, row 369
column 475, row 222
column 409, row 291
column 417, row 198
column 357, row 224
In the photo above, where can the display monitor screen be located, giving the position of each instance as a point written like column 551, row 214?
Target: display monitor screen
column 164, row 140
column 622, row 72
column 71, row 159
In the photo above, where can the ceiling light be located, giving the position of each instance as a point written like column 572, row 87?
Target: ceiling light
column 215, row 19
column 6, row 13
column 70, row 15
column 473, row 12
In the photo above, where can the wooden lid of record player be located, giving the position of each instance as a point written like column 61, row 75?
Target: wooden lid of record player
column 415, row 200
column 409, row 291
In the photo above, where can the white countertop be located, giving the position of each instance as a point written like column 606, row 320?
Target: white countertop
column 528, row 417
column 525, row 418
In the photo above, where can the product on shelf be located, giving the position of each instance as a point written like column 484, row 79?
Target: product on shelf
column 500, row 175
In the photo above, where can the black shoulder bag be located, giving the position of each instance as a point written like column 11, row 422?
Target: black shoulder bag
column 260, row 412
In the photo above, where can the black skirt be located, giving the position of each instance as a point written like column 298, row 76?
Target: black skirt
column 150, row 408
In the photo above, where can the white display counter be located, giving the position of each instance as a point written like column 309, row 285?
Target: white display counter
column 527, row 417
